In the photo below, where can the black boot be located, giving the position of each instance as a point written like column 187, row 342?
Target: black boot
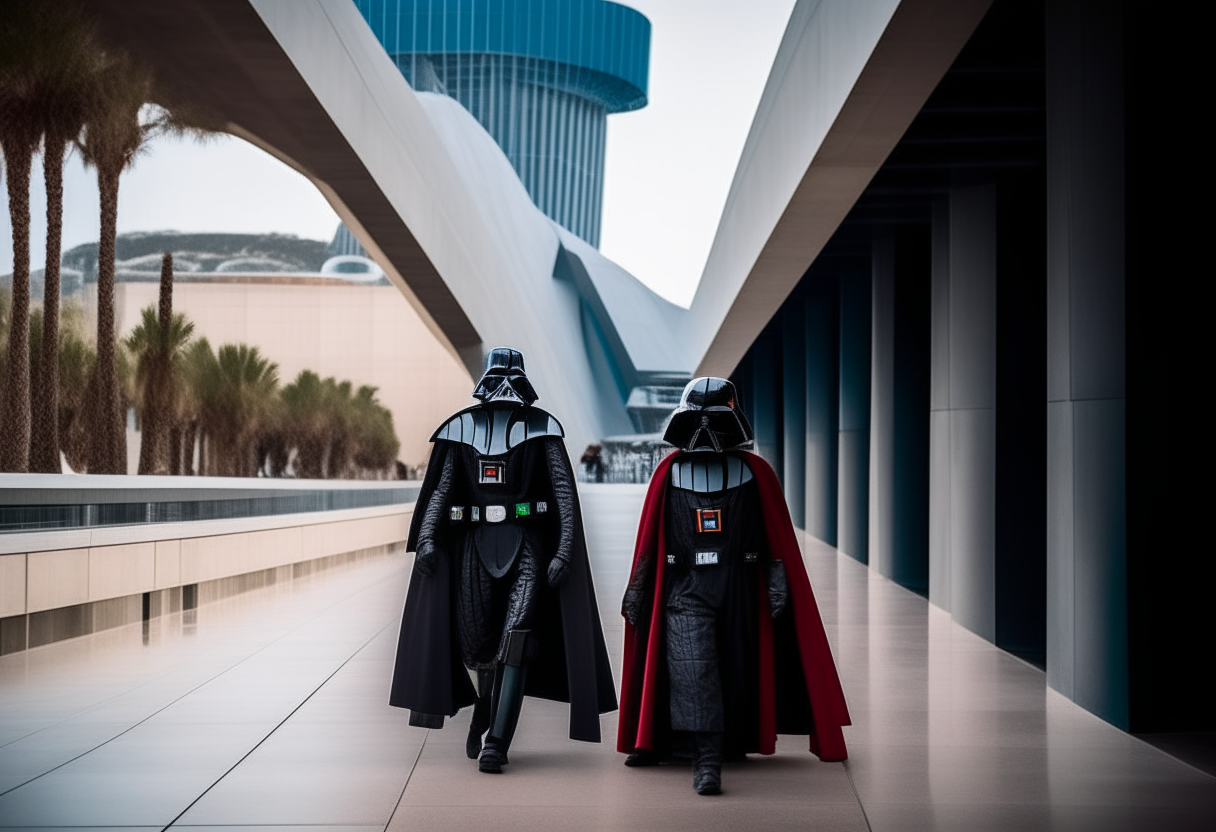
column 642, row 757
column 493, row 756
column 481, row 713
column 508, row 699
column 509, row 679
column 707, row 767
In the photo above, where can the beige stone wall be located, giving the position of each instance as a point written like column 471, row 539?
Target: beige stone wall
column 189, row 553
column 368, row 334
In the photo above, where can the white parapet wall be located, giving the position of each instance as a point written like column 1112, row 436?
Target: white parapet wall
column 56, row 584
column 59, row 572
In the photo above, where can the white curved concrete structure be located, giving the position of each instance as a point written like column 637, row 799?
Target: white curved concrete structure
column 433, row 199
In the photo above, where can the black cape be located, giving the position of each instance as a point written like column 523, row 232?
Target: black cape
column 572, row 662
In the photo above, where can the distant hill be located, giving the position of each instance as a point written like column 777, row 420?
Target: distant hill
column 138, row 256
column 141, row 251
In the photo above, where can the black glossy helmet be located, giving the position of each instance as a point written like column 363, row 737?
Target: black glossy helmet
column 504, row 379
column 709, row 417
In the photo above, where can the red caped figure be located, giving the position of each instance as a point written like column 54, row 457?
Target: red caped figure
column 724, row 646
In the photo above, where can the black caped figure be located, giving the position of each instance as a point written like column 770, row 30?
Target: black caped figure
column 724, row 647
column 501, row 584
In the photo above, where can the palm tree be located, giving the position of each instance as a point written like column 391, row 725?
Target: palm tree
column 77, row 365
column 75, row 371
column 332, row 432
column 306, row 426
column 20, row 132
column 200, row 375
column 68, row 60
column 157, row 345
column 338, row 414
column 113, row 137
column 374, row 439
column 241, row 399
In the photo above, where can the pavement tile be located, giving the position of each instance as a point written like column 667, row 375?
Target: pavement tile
column 267, row 711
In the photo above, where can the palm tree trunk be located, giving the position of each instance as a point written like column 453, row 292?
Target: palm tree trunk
column 206, row 456
column 189, row 441
column 154, row 448
column 15, row 424
column 109, row 449
column 175, row 449
column 44, row 444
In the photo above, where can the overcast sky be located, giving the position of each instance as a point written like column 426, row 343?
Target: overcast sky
column 668, row 166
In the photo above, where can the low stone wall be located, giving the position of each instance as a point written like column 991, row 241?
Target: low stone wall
column 74, row 582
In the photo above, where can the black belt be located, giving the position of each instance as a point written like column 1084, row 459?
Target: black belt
column 524, row 510
column 708, row 557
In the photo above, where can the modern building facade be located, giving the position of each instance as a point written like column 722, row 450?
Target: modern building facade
column 540, row 76
column 977, row 385
column 956, row 277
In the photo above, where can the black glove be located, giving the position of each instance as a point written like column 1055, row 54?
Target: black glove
column 428, row 555
column 778, row 588
column 558, row 570
column 631, row 605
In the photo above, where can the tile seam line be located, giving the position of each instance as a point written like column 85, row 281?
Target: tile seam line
column 280, row 724
column 408, row 777
column 197, row 687
column 845, row 765
column 157, row 679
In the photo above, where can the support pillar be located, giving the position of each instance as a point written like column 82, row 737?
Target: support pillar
column 1021, row 423
column 899, row 407
column 766, row 413
column 1087, row 611
column 941, row 569
column 882, row 406
column 793, row 394
column 969, row 329
column 853, row 486
column 822, row 407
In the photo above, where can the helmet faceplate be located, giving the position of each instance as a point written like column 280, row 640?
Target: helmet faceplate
column 504, row 379
column 709, row 417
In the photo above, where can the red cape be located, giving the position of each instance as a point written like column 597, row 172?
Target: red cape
column 644, row 669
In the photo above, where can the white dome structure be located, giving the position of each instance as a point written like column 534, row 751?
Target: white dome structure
column 354, row 268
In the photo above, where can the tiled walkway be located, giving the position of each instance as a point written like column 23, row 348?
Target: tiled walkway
column 267, row 711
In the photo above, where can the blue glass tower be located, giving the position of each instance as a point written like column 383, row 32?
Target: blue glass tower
column 541, row 76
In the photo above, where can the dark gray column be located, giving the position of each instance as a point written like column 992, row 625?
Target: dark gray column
column 793, row 395
column 899, row 407
column 822, row 408
column 911, row 407
column 941, row 569
column 987, row 497
column 1087, row 627
column 853, row 487
column 1021, row 422
column 766, row 412
column 971, row 331
column 882, row 407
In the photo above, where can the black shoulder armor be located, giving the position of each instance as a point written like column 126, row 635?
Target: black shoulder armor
column 709, row 473
column 495, row 429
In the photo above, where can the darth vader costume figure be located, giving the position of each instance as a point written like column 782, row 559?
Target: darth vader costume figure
column 501, row 585
column 724, row 646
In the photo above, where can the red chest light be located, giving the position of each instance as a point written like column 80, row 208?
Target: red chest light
column 493, row 473
column 709, row 520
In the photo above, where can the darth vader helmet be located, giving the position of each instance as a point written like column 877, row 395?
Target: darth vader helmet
column 504, row 379
column 709, row 417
